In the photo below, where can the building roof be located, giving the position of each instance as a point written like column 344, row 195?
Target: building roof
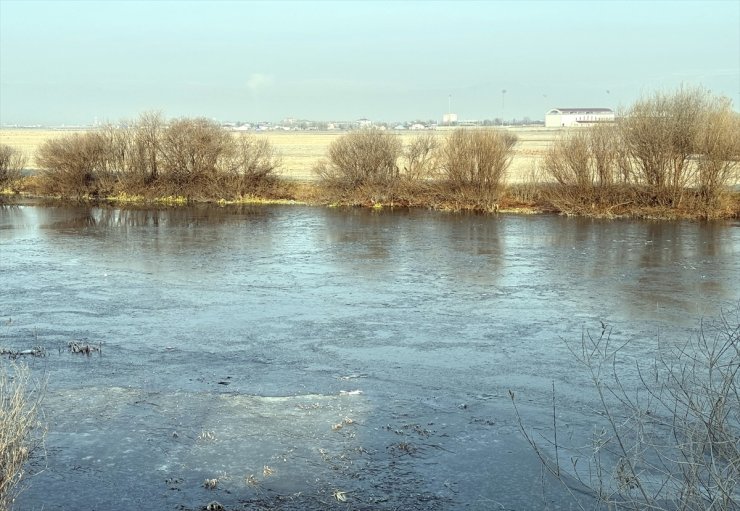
column 580, row 111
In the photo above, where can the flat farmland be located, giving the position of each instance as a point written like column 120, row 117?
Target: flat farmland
column 29, row 140
column 301, row 150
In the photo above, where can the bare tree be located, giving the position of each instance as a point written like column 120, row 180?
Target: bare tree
column 661, row 134
column 75, row 166
column 190, row 151
column 247, row 162
column 421, row 157
column 718, row 148
column 12, row 163
column 476, row 161
column 364, row 157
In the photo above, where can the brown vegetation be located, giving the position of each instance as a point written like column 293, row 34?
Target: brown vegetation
column 11, row 165
column 18, row 421
column 473, row 165
column 372, row 168
column 465, row 171
column 194, row 158
column 77, row 166
column 670, row 154
column 360, row 158
column 421, row 157
column 476, row 159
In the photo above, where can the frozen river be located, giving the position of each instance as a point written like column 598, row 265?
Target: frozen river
column 311, row 358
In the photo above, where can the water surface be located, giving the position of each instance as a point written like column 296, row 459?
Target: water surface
column 251, row 325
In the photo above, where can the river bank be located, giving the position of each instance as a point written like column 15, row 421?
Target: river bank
column 523, row 190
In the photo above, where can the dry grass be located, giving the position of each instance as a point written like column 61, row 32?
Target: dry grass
column 19, row 408
column 528, row 188
column 28, row 141
column 301, row 150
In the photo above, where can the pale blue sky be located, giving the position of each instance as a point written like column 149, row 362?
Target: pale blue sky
column 72, row 62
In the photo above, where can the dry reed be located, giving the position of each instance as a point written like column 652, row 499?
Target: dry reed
column 670, row 441
column 19, row 409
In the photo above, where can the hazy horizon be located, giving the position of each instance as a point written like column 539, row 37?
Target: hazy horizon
column 75, row 62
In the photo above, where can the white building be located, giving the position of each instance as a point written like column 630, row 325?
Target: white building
column 448, row 119
column 567, row 117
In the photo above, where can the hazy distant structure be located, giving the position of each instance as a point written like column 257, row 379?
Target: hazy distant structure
column 449, row 118
column 364, row 123
column 567, row 117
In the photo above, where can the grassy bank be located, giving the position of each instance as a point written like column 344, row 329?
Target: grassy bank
column 525, row 198
column 668, row 156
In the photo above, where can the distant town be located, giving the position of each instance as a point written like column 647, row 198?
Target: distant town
column 290, row 124
column 554, row 118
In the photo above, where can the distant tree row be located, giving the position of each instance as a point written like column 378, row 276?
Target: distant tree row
column 670, row 152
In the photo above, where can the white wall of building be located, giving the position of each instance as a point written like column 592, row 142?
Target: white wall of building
column 568, row 117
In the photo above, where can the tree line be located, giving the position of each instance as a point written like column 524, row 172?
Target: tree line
column 678, row 150
column 668, row 152
column 191, row 157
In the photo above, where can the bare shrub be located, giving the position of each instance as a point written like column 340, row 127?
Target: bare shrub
column 360, row 158
column 247, row 164
column 76, row 166
column 198, row 157
column 193, row 157
column 18, row 421
column 671, row 440
column 661, row 133
column 587, row 158
column 12, row 163
column 115, row 158
column 718, row 148
column 143, row 139
column 606, row 157
column 474, row 162
column 99, row 162
column 421, row 157
column 667, row 134
column 569, row 161
column 590, row 171
column 669, row 154
column 190, row 151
